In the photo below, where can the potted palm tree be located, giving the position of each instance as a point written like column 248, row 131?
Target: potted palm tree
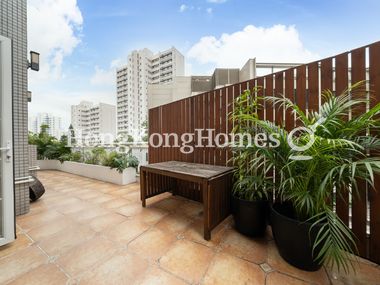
column 339, row 153
column 252, row 183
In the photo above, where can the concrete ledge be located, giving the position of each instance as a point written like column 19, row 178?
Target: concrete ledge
column 99, row 172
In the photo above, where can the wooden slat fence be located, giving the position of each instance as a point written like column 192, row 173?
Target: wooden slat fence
column 303, row 85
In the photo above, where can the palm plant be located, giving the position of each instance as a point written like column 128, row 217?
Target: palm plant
column 252, row 182
column 342, row 151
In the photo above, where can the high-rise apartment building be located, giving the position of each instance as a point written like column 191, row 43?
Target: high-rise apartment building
column 80, row 116
column 53, row 122
column 94, row 121
column 185, row 86
column 143, row 68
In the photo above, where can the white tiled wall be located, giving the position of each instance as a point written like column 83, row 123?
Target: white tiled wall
column 13, row 25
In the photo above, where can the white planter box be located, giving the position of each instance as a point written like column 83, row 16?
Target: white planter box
column 99, row 172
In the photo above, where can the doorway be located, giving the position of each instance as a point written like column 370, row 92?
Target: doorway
column 7, row 213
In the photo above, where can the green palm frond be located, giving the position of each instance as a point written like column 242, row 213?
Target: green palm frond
column 345, row 151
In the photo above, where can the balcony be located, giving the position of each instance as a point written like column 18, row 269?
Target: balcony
column 90, row 232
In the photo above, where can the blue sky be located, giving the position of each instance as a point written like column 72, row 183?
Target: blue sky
column 82, row 41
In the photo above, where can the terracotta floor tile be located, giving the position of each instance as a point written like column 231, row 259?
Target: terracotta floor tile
column 277, row 263
column 105, row 189
column 275, row 278
column 101, row 199
column 168, row 204
column 156, row 276
column 130, row 209
column 83, row 193
column 227, row 269
column 74, row 207
column 188, row 260
column 133, row 196
column 42, row 232
column 120, row 192
column 126, row 231
column 86, row 255
column 109, row 248
column 122, row 268
column 175, row 223
column 151, row 216
column 38, row 207
column 28, row 222
column 116, row 203
column 252, row 249
column 63, row 201
column 91, row 195
column 195, row 233
column 69, row 190
column 65, row 240
column 152, row 244
column 21, row 242
column 46, row 274
column 85, row 215
column 55, row 199
column 365, row 274
column 21, row 262
column 110, row 220
column 191, row 209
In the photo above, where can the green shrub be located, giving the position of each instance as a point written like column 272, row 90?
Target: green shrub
column 96, row 156
column 120, row 161
column 48, row 147
column 74, row 156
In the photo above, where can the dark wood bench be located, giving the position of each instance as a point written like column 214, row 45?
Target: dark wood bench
column 215, row 183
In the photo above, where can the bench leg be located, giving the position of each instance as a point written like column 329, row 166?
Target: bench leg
column 143, row 188
column 206, row 211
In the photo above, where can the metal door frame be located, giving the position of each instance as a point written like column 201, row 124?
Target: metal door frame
column 6, row 142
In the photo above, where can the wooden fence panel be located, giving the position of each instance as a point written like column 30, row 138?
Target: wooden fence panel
column 289, row 94
column 279, row 91
column 301, row 88
column 260, row 94
column 302, row 85
column 341, row 84
column 359, row 203
column 223, row 126
column 218, row 102
column 313, row 87
column 230, row 104
column 374, row 194
column 269, row 113
column 326, row 75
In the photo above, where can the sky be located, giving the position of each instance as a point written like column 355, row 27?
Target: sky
column 82, row 42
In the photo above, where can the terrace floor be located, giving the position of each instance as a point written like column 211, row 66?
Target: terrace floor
column 90, row 232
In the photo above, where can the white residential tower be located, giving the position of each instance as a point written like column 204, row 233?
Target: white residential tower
column 54, row 123
column 95, row 121
column 143, row 68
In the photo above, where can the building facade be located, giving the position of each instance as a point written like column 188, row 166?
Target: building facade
column 186, row 86
column 94, row 123
column 80, row 116
column 54, row 122
column 143, row 68
column 13, row 26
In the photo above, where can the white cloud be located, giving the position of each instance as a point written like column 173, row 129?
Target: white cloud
column 103, row 77
column 183, row 8
column 278, row 43
column 53, row 31
column 209, row 10
column 106, row 77
column 217, row 1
